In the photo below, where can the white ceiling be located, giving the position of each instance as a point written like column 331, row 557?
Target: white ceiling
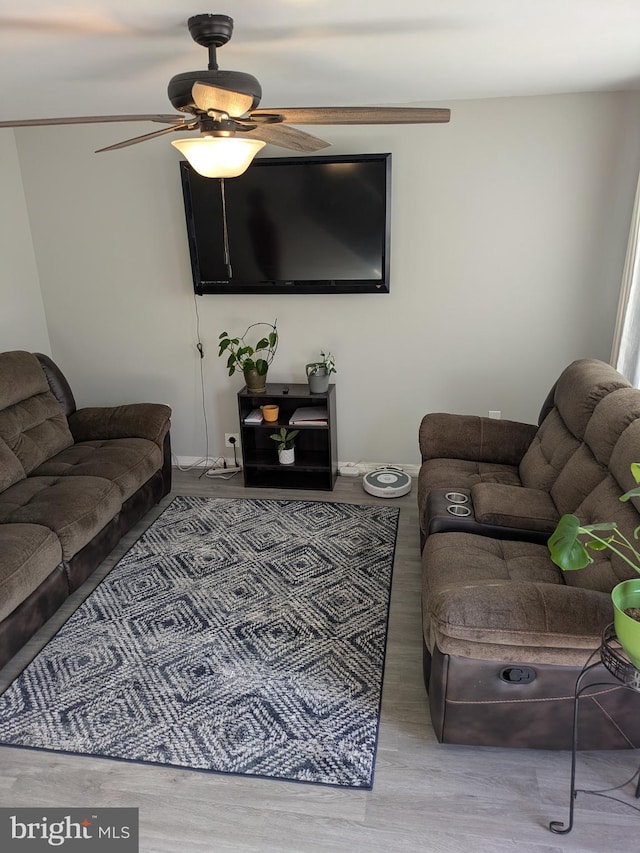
column 116, row 56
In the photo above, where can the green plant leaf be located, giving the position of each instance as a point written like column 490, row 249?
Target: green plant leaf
column 223, row 335
column 632, row 493
column 565, row 548
column 262, row 366
column 635, row 470
column 598, row 546
column 601, row 525
column 223, row 345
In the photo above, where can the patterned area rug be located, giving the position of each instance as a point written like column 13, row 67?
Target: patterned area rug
column 239, row 636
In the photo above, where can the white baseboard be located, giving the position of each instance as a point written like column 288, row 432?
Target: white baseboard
column 366, row 467
column 186, row 463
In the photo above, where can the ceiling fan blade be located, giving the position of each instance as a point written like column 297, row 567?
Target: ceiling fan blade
column 287, row 137
column 134, row 140
column 207, row 97
column 75, row 21
column 40, row 122
column 358, row 115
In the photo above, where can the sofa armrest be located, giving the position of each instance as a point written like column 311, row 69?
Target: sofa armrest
column 514, row 506
column 523, row 615
column 450, row 436
column 134, row 420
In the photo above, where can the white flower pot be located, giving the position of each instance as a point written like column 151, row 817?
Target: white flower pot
column 287, row 457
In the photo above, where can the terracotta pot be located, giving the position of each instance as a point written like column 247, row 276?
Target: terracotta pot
column 270, row 412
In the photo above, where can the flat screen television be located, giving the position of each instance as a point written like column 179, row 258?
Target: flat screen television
column 292, row 225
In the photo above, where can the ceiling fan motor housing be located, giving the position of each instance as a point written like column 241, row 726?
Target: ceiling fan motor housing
column 180, row 86
column 209, row 30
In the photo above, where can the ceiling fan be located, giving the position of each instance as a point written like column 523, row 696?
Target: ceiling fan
column 223, row 106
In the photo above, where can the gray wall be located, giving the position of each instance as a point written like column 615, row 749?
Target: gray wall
column 22, row 320
column 509, row 228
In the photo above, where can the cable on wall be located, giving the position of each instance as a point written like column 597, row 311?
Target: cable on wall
column 206, row 459
column 225, row 230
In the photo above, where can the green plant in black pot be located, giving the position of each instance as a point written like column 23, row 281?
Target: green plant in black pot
column 253, row 359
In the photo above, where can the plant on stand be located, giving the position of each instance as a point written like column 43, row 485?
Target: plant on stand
column 570, row 552
column 318, row 373
column 252, row 359
column 286, row 448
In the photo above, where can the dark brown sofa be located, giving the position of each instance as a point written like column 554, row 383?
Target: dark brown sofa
column 506, row 632
column 72, row 482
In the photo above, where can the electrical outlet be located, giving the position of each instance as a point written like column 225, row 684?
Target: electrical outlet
column 231, row 439
column 495, row 414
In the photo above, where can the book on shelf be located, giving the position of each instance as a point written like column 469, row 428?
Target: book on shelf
column 254, row 417
column 309, row 416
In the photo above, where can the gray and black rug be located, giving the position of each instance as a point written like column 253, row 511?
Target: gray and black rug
column 239, row 636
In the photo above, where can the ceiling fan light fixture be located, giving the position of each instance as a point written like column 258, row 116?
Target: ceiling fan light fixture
column 219, row 156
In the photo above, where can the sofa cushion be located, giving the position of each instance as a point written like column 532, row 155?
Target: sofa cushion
column 514, row 506
column 578, row 478
column 609, row 420
column 74, row 508
column 626, row 451
column 32, row 423
column 580, row 388
column 607, row 569
column 127, row 462
column 493, row 599
column 11, row 470
column 460, row 474
column 30, row 552
column 548, row 453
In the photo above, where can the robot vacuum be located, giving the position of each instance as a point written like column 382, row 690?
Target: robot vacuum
column 387, row 483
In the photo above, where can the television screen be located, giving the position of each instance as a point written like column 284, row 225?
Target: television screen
column 291, row 225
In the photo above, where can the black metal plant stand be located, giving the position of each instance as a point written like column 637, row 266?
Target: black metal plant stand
column 613, row 659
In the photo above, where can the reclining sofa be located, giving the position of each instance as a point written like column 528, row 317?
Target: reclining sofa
column 506, row 632
column 72, row 482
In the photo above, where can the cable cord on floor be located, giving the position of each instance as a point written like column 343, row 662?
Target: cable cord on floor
column 204, row 461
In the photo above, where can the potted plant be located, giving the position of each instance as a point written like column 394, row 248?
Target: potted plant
column 318, row 373
column 252, row 359
column 570, row 552
column 286, row 449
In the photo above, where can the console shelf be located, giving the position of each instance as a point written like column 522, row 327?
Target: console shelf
column 316, row 464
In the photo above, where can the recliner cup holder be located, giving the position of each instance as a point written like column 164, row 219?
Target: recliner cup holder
column 457, row 498
column 456, row 509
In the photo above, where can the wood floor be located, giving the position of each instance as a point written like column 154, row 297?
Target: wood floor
column 426, row 796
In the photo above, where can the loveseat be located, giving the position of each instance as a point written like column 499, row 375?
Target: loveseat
column 72, row 482
column 505, row 631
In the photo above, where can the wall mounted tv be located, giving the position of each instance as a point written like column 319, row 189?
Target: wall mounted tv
column 292, row 225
